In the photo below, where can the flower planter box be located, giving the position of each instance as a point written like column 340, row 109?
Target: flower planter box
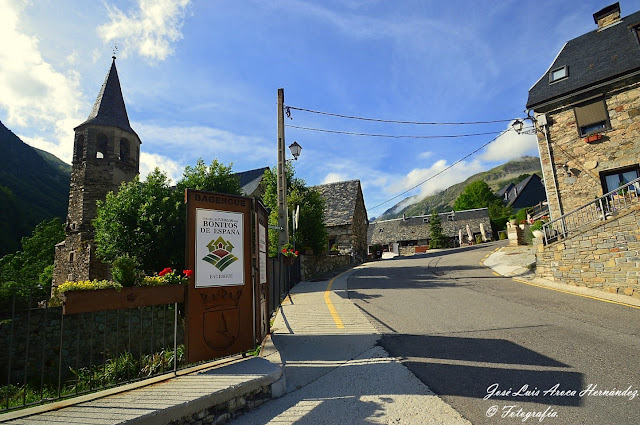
column 288, row 260
column 110, row 299
column 593, row 138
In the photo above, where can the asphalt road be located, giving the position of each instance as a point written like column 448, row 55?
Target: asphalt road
column 497, row 350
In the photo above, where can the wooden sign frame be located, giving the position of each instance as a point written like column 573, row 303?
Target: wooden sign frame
column 220, row 301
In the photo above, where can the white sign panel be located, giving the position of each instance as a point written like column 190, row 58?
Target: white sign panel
column 262, row 254
column 219, row 248
column 262, row 239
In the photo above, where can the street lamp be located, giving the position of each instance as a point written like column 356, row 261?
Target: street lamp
column 517, row 126
column 295, row 150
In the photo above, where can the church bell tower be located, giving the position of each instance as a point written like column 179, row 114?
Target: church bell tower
column 106, row 152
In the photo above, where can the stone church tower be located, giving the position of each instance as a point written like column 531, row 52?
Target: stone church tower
column 106, row 152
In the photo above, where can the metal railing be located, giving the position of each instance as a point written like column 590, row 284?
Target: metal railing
column 600, row 209
column 283, row 277
column 47, row 356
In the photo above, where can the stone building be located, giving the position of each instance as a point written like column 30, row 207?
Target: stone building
column 345, row 217
column 106, row 152
column 408, row 235
column 587, row 106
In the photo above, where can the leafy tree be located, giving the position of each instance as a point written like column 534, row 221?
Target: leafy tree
column 216, row 178
column 476, row 195
column 311, row 231
column 436, row 238
column 479, row 195
column 140, row 221
column 23, row 271
column 146, row 220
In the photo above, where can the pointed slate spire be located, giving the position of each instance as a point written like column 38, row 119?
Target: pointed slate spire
column 109, row 108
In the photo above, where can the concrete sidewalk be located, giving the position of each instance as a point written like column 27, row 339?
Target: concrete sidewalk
column 335, row 372
column 519, row 262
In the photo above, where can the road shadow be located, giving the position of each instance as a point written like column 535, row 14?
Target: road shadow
column 446, row 364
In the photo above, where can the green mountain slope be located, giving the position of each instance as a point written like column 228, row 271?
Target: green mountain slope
column 496, row 178
column 33, row 187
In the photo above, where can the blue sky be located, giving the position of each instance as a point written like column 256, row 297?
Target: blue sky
column 200, row 79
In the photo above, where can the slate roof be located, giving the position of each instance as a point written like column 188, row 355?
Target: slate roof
column 592, row 58
column 109, row 108
column 506, row 188
column 340, row 201
column 526, row 193
column 251, row 179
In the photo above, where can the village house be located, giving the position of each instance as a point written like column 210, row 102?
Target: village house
column 409, row 235
column 587, row 110
column 524, row 194
column 251, row 182
column 345, row 218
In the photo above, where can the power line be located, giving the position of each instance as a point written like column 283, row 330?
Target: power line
column 390, row 136
column 287, row 108
column 440, row 172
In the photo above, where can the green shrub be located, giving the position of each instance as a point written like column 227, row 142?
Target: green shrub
column 537, row 225
column 126, row 271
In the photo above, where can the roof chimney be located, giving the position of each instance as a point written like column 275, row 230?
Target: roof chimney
column 607, row 16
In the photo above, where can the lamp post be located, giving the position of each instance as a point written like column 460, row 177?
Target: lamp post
column 283, row 212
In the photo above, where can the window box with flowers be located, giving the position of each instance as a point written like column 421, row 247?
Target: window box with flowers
column 167, row 287
column 289, row 254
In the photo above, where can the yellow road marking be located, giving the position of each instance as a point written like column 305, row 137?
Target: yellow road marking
column 332, row 309
column 495, row 274
column 574, row 293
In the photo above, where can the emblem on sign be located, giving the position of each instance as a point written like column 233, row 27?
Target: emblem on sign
column 220, row 254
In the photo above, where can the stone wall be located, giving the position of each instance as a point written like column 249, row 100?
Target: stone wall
column 605, row 256
column 224, row 412
column 315, row 265
column 619, row 147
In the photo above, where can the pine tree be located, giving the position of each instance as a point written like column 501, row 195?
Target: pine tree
column 437, row 239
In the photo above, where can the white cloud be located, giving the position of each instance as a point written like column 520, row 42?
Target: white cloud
column 437, row 182
column 334, row 177
column 149, row 162
column 151, row 30
column 510, row 145
column 424, row 155
column 34, row 94
column 190, row 142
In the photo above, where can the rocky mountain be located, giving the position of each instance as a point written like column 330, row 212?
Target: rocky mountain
column 34, row 185
column 496, row 178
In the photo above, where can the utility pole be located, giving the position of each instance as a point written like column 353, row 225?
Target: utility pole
column 283, row 214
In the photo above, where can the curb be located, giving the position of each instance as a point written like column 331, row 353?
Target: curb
column 531, row 279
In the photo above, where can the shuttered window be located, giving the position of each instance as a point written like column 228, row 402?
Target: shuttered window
column 592, row 117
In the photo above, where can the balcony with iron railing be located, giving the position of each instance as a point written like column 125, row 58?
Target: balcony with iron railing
column 600, row 209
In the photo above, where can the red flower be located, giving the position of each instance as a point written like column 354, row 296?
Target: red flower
column 188, row 273
column 296, row 252
column 166, row 270
column 284, row 250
